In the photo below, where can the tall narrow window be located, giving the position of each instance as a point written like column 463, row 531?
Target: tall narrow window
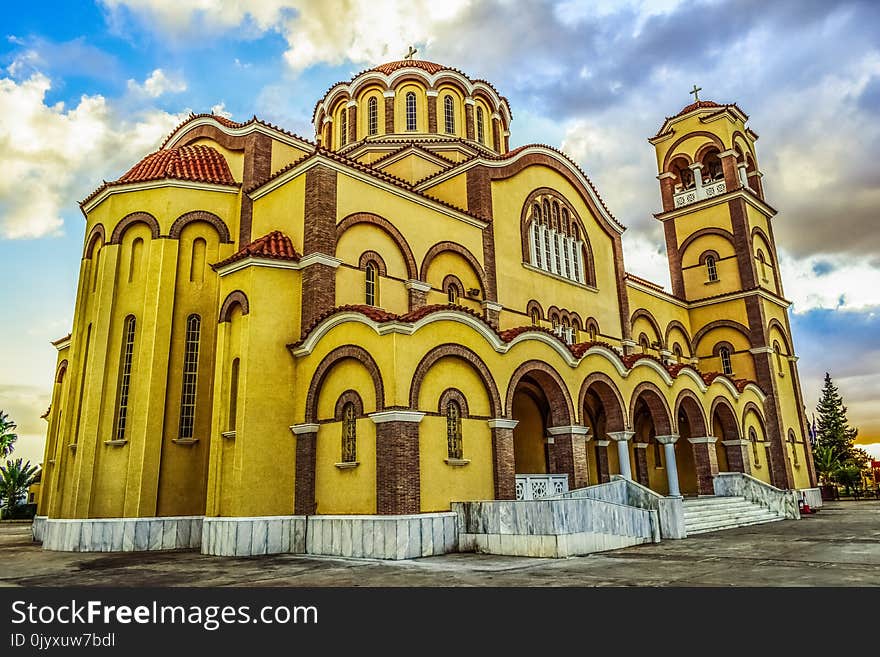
column 125, row 376
column 576, row 260
column 452, row 294
column 448, row 115
column 233, row 394
column 753, row 439
column 372, row 297
column 481, row 132
column 566, row 252
column 535, row 317
column 96, row 261
column 763, row 265
column 197, row 262
column 373, row 116
column 453, row 430
column 84, row 367
column 676, row 349
column 726, row 366
column 349, row 433
column 137, row 255
column 190, row 377
column 548, row 261
column 711, row 268
column 410, row 111
column 643, row 343
column 343, row 127
column 778, row 351
column 593, row 333
column 536, row 242
column 557, row 261
column 794, row 449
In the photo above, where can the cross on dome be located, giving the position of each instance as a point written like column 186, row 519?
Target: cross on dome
column 409, row 55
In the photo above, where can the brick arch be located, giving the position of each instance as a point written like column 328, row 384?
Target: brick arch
column 352, row 396
column 701, row 152
column 691, row 405
column 775, row 323
column 534, row 305
column 712, row 230
column 657, row 407
column 453, row 281
column 727, row 418
column 233, row 299
column 553, row 386
column 612, row 401
column 721, row 323
column 326, row 365
column 675, row 324
column 200, row 215
column 456, row 395
column 375, row 258
column 95, row 234
column 134, row 218
column 463, row 353
column 389, row 229
column 61, row 371
column 647, row 315
column 699, row 133
column 752, row 406
column 442, row 247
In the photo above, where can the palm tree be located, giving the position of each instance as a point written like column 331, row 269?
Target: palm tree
column 14, row 481
column 7, row 437
column 826, row 462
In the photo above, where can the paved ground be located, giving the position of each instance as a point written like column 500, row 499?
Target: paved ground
column 839, row 546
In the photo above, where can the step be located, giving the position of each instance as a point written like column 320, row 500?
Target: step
column 740, row 517
column 721, row 515
column 731, row 526
column 711, row 499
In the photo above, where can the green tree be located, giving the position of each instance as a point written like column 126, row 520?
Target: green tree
column 832, row 427
column 827, row 464
column 15, row 479
column 7, row 435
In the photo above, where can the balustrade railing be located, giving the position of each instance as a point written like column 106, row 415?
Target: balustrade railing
column 536, row 486
column 694, row 194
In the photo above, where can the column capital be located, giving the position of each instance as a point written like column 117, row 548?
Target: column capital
column 728, row 153
column 695, row 165
column 317, row 258
column 388, row 94
column 572, row 428
column 502, row 423
column 621, row 436
column 432, row 93
column 308, row 427
column 421, row 286
column 492, row 305
column 668, row 439
column 603, row 443
column 703, row 440
column 739, row 442
column 666, row 174
column 396, row 416
column 640, row 445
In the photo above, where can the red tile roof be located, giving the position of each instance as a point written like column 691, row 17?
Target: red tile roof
column 229, row 123
column 276, row 246
column 200, row 163
column 390, row 67
column 700, row 104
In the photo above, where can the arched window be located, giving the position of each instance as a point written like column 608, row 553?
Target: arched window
column 452, row 294
column 371, row 287
column 763, row 265
column 778, row 351
column 481, row 134
column 343, row 127
column 553, row 241
column 410, row 110
column 794, row 449
column 643, row 343
column 125, row 364
column 711, row 268
column 726, row 366
column 536, row 317
column 593, row 332
column 547, row 215
column 676, row 349
column 349, row 433
column 566, row 222
column 190, row 377
column 712, row 165
column 373, row 116
column 453, row 430
column 753, row 439
column 448, row 115
column 233, row 395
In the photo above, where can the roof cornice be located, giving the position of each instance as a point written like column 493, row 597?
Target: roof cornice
column 110, row 188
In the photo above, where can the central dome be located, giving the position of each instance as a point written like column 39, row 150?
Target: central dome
column 412, row 100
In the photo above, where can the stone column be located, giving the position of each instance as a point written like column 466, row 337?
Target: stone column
column 570, row 453
column 389, row 111
column 737, row 455
column 697, row 168
column 397, row 462
column 668, row 443
column 641, row 457
column 304, row 502
column 622, row 439
column 503, row 470
column 418, row 294
column 742, row 169
column 706, row 462
column 602, row 461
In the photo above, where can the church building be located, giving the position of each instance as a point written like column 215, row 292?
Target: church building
column 405, row 313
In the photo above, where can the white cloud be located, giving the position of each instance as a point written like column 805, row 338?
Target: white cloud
column 220, row 110
column 54, row 156
column 836, row 282
column 157, row 84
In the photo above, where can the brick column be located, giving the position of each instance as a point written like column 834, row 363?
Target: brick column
column 397, row 462
column 641, row 458
column 304, row 503
column 668, row 443
column 432, row 110
column 667, row 190
column 503, row 471
column 352, row 121
column 731, row 173
column 418, row 294
column 706, row 463
column 469, row 117
column 569, row 454
column 319, row 245
column 622, row 439
column 496, row 132
column 737, row 455
column 492, row 312
column 389, row 112
column 602, row 461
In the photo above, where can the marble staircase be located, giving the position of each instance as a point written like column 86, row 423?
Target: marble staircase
column 712, row 513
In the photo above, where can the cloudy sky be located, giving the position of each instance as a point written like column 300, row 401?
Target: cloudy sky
column 87, row 89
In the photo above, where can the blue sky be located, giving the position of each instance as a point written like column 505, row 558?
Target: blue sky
column 86, row 89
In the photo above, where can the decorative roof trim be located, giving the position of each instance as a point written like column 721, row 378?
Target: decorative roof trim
column 62, row 343
column 109, row 188
column 238, row 130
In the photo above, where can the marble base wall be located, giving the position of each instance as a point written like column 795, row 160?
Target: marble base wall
column 245, row 537
column 122, row 534
column 811, row 496
column 382, row 536
column 551, row 546
column 781, row 502
column 38, row 529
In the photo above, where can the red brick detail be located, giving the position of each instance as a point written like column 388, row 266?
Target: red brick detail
column 667, row 191
column 622, row 296
column 200, row 215
column 455, row 351
column 257, row 166
column 553, row 386
column 672, row 153
column 731, row 172
column 376, row 259
column 496, row 135
column 469, row 121
column 612, row 401
column 503, row 469
column 352, row 124
column 318, row 294
column 602, row 470
column 233, row 299
column 706, row 465
column 389, row 115
column 390, row 229
column 808, row 448
column 432, row 114
column 397, row 468
column 657, row 407
column 417, row 299
column 688, row 404
column 329, row 362
column 561, row 457
column 641, row 463
column 304, row 503
column 349, row 396
column 673, row 255
column 441, row 247
column 96, row 234
column 742, row 242
column 319, row 280
column 737, row 458
column 134, row 218
column 724, row 323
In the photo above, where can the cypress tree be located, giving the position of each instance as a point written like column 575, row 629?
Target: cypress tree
column 832, row 427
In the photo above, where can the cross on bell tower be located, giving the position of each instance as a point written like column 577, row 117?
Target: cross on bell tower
column 696, row 92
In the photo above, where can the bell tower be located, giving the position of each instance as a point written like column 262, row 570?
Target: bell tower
column 723, row 264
